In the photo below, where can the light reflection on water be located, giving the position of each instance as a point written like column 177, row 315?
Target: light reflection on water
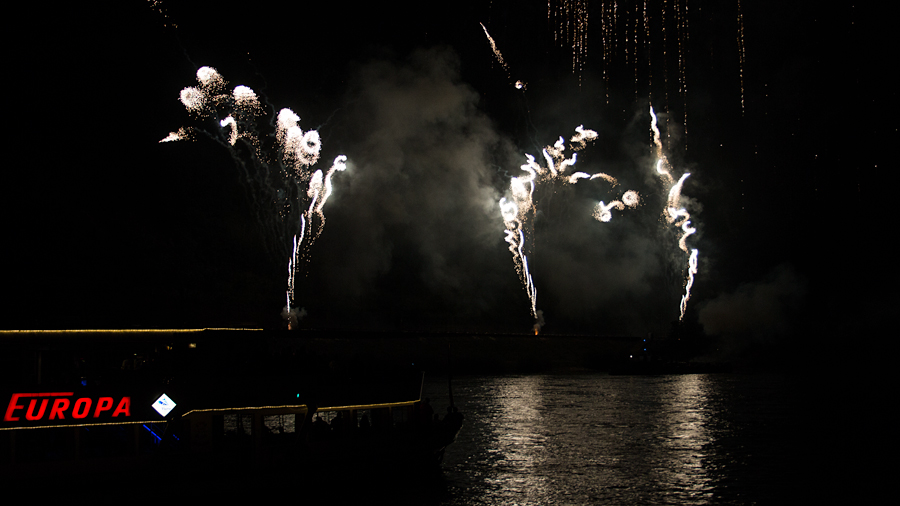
column 517, row 439
column 596, row 439
column 686, row 437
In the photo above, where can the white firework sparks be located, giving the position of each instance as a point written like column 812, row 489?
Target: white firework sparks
column 603, row 212
column 298, row 150
column 183, row 134
column 631, row 198
column 193, row 99
column 674, row 213
column 210, row 79
column 229, row 122
column 515, row 212
column 581, row 137
column 245, row 99
column 692, row 269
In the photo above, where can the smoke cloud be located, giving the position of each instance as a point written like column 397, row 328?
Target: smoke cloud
column 757, row 312
column 418, row 202
column 414, row 225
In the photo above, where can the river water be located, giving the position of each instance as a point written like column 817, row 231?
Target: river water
column 600, row 439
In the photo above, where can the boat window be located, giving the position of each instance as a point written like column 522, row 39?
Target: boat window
column 400, row 415
column 328, row 416
column 238, row 425
column 280, row 424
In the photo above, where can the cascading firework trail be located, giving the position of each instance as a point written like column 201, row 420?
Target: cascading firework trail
column 276, row 178
column 674, row 212
column 516, row 211
column 571, row 29
column 742, row 52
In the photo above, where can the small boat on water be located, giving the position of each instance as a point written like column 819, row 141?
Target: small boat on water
column 195, row 406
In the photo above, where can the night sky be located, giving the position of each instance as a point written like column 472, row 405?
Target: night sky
column 791, row 193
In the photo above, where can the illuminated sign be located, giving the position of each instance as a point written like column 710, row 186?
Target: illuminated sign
column 163, row 405
column 58, row 407
column 47, row 406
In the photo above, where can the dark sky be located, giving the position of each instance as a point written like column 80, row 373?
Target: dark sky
column 104, row 227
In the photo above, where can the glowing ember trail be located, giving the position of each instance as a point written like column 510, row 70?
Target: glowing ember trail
column 742, row 52
column 276, row 172
column 674, row 213
column 519, row 84
column 570, row 30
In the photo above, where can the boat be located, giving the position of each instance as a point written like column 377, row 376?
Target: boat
column 209, row 405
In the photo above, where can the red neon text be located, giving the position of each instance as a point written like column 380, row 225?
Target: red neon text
column 81, row 408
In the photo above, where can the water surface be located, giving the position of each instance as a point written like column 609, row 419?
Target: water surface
column 599, row 439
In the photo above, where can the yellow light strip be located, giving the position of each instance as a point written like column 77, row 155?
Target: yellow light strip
column 368, row 406
column 82, row 425
column 288, row 406
column 119, row 331
column 304, row 406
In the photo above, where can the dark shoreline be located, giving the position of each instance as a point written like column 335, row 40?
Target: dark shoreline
column 432, row 352
column 439, row 353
